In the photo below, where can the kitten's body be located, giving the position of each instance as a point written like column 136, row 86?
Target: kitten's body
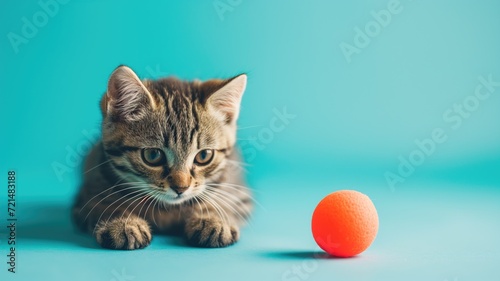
column 128, row 193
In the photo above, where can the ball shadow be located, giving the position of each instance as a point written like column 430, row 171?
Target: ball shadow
column 304, row 255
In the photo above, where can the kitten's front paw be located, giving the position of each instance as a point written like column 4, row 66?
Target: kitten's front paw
column 211, row 233
column 123, row 234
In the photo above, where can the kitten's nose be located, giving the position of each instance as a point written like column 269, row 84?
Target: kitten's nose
column 179, row 181
column 179, row 189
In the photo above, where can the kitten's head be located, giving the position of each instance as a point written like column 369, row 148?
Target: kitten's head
column 168, row 135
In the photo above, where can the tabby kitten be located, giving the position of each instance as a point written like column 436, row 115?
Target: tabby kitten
column 166, row 163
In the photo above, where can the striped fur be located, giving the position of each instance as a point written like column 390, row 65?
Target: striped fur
column 123, row 200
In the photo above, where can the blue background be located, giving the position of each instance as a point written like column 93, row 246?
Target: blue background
column 355, row 118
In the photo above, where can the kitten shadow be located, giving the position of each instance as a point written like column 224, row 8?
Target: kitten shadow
column 175, row 241
column 304, row 255
column 50, row 223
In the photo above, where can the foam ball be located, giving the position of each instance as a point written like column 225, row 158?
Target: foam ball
column 345, row 223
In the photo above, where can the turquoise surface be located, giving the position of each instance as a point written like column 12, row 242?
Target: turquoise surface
column 397, row 99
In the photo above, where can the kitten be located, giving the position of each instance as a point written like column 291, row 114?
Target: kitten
column 166, row 163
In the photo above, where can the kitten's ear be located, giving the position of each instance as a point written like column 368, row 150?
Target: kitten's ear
column 127, row 98
column 226, row 100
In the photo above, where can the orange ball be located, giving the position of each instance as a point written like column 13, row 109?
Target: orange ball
column 345, row 223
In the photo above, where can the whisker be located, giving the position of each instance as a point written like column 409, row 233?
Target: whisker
column 97, row 166
column 250, row 127
column 149, row 205
column 137, row 193
column 204, row 204
column 199, row 205
column 116, row 201
column 234, row 166
column 143, row 204
column 222, row 213
column 238, row 188
column 145, row 198
column 227, row 194
column 107, row 196
column 207, row 200
column 237, row 202
column 232, row 198
column 235, row 187
column 234, row 162
column 113, row 186
column 231, row 205
column 155, row 205
column 138, row 198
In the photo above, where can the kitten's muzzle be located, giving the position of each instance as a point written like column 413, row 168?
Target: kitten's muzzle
column 179, row 181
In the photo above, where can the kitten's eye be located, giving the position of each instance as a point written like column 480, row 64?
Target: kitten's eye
column 204, row 157
column 153, row 156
